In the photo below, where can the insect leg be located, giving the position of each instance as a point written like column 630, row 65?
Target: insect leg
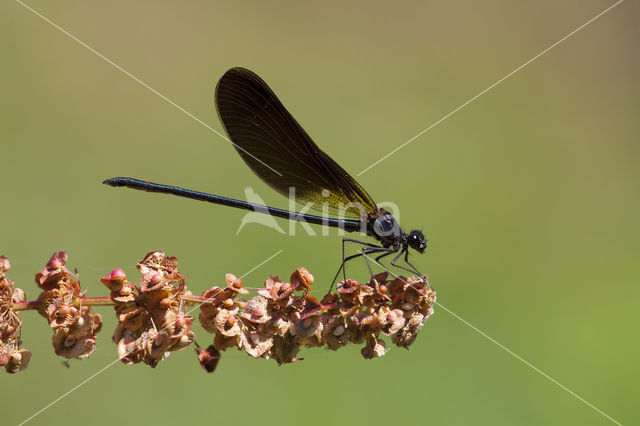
column 405, row 251
column 383, row 255
column 406, row 259
column 370, row 250
column 348, row 258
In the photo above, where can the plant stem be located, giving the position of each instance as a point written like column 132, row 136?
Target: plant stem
column 23, row 306
column 95, row 301
column 193, row 299
column 100, row 301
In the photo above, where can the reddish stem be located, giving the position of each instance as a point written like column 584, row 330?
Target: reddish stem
column 100, row 301
column 96, row 301
column 23, row 306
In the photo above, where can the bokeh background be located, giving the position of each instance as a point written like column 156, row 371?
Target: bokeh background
column 530, row 198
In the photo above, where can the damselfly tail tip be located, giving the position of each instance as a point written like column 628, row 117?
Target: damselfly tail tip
column 117, row 181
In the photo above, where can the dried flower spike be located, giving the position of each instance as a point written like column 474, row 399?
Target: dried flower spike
column 276, row 323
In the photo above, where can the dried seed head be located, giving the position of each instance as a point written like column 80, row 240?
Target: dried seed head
column 18, row 296
column 12, row 358
column 5, row 265
column 152, row 323
column 74, row 326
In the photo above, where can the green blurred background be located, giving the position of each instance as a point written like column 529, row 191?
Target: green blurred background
column 529, row 196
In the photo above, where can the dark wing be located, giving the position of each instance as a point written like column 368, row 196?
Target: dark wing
column 278, row 149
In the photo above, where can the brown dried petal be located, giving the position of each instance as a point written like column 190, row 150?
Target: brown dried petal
column 70, row 346
column 12, row 358
column 256, row 343
column 279, row 326
column 380, row 289
column 79, row 339
column 368, row 322
column 301, row 279
column 215, row 297
column 374, row 348
column 330, row 299
column 212, row 294
column 349, row 291
column 396, row 321
column 156, row 261
column 227, row 323
column 396, row 290
column 130, row 349
column 180, row 331
column 208, row 358
column 222, row 342
column 132, row 317
column 308, row 327
column 18, row 296
column 310, row 306
column 255, row 310
column 122, row 291
column 285, row 349
column 234, row 284
column 54, row 271
column 63, row 315
column 277, row 291
column 18, row 361
column 156, row 348
column 336, row 334
column 407, row 335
